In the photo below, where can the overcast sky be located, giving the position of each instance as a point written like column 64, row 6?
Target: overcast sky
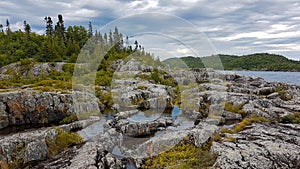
column 176, row 27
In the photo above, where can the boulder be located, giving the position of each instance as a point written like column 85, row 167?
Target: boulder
column 32, row 107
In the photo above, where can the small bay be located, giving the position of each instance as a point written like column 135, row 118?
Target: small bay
column 273, row 76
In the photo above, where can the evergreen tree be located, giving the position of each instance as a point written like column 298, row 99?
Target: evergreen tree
column 1, row 28
column 8, row 30
column 105, row 38
column 111, row 41
column 60, row 27
column 136, row 45
column 116, row 36
column 90, row 30
column 27, row 28
column 49, row 26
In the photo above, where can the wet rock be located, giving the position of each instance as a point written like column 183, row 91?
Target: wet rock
column 155, row 145
column 140, row 129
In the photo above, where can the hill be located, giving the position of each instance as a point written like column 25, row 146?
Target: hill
column 258, row 61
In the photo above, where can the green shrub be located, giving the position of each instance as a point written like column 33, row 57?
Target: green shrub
column 104, row 97
column 63, row 140
column 216, row 137
column 68, row 67
column 235, row 108
column 225, row 130
column 26, row 61
column 293, row 118
column 69, row 119
column 182, row 156
column 248, row 121
column 142, row 87
column 230, row 139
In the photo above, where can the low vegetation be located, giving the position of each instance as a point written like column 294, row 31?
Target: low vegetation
column 159, row 77
column 69, row 119
column 63, row 140
column 293, row 118
column 235, row 108
column 183, row 156
column 248, row 121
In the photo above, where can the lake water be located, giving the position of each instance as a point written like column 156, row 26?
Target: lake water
column 286, row 77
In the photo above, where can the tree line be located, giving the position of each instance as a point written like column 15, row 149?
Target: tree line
column 256, row 61
column 61, row 43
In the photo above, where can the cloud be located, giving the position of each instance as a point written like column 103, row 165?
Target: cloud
column 233, row 27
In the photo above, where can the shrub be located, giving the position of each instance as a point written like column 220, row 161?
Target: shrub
column 248, row 121
column 230, row 139
column 183, row 156
column 104, row 97
column 68, row 67
column 142, row 87
column 293, row 118
column 225, row 130
column 216, row 137
column 69, row 119
column 63, row 140
column 235, row 108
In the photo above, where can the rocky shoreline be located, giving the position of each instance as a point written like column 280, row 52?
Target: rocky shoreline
column 240, row 116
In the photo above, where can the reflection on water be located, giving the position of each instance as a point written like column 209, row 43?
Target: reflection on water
column 92, row 130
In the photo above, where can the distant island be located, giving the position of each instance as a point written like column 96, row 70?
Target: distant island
column 257, row 61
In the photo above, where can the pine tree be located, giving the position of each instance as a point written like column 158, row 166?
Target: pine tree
column 105, row 38
column 8, row 30
column 111, row 42
column 136, row 45
column 27, row 28
column 49, row 26
column 1, row 28
column 90, row 30
column 60, row 27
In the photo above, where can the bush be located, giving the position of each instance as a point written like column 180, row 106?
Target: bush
column 293, row 118
column 183, row 156
column 68, row 67
column 63, row 140
column 69, row 119
column 235, row 108
column 248, row 121
column 142, row 87
column 225, row 130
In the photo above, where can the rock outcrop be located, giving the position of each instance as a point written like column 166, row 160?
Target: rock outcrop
column 262, row 146
column 26, row 147
column 209, row 99
column 30, row 107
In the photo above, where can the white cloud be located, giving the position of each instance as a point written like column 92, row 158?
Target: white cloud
column 233, row 26
column 183, row 51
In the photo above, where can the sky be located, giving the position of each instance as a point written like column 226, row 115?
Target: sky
column 174, row 28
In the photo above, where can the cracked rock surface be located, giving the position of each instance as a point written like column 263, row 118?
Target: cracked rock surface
column 263, row 146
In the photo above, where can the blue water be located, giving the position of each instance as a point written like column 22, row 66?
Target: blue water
column 175, row 112
column 286, row 77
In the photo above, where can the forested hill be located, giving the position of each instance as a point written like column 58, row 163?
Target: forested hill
column 60, row 43
column 258, row 61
